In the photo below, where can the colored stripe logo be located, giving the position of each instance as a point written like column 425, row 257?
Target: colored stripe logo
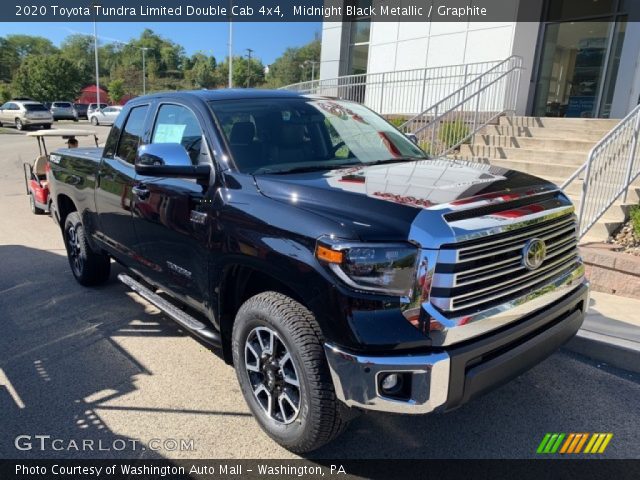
column 574, row 443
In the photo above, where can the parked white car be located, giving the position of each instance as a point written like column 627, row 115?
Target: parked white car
column 105, row 116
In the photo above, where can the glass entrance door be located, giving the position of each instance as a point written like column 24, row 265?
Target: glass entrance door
column 572, row 69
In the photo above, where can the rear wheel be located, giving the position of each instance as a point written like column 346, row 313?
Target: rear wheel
column 46, row 126
column 34, row 208
column 280, row 363
column 89, row 267
column 94, row 121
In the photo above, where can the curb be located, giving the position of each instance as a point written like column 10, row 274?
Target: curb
column 613, row 351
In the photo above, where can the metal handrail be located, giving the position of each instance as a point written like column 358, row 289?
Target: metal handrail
column 401, row 92
column 452, row 121
column 612, row 166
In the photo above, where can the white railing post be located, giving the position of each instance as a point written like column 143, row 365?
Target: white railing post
column 632, row 156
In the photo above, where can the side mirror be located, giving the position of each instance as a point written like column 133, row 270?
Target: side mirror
column 168, row 160
column 413, row 137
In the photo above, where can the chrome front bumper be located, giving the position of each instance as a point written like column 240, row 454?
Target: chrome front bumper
column 356, row 380
column 446, row 379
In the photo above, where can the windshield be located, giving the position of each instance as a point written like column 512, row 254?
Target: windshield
column 281, row 135
column 35, row 107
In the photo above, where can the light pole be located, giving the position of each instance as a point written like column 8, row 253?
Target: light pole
column 144, row 69
column 313, row 68
column 249, row 52
column 230, row 44
column 95, row 51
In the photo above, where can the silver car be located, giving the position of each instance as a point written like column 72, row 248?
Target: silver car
column 25, row 113
column 94, row 106
column 105, row 116
column 64, row 111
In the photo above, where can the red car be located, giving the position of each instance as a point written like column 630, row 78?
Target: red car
column 35, row 175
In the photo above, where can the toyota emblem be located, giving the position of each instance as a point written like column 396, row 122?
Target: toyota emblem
column 534, row 253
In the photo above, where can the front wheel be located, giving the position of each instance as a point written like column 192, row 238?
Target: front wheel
column 94, row 121
column 19, row 124
column 280, row 363
column 89, row 267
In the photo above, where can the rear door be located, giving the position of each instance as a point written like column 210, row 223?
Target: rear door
column 115, row 180
column 168, row 219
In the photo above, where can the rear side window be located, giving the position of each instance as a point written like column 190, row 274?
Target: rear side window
column 131, row 135
column 178, row 124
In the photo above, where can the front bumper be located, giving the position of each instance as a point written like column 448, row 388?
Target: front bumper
column 447, row 378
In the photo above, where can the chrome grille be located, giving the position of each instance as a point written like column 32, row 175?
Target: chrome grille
column 479, row 274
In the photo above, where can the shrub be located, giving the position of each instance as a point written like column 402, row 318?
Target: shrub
column 397, row 121
column 452, row 132
column 635, row 220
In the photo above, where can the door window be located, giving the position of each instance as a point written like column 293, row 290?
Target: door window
column 178, row 124
column 132, row 132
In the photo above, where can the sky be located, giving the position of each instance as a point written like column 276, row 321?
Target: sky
column 267, row 39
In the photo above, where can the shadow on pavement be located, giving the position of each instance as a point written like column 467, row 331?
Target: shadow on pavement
column 59, row 359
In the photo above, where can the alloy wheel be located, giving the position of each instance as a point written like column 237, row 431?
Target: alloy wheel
column 74, row 250
column 273, row 375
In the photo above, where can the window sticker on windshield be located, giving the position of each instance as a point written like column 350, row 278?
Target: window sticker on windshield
column 168, row 133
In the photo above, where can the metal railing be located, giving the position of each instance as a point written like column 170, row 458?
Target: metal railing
column 612, row 165
column 454, row 120
column 403, row 92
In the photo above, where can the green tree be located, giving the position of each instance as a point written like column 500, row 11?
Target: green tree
column 294, row 65
column 116, row 90
column 245, row 72
column 5, row 93
column 202, row 71
column 79, row 50
column 48, row 78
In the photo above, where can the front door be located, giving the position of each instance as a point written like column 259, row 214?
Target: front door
column 114, row 182
column 579, row 59
column 170, row 216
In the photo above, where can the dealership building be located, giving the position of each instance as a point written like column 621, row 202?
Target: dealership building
column 580, row 59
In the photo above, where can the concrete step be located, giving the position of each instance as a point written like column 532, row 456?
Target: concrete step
column 574, row 189
column 556, row 122
column 574, row 159
column 553, row 144
column 600, row 231
column 585, row 134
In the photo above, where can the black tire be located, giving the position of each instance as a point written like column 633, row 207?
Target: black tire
column 320, row 417
column 89, row 268
column 46, row 126
column 34, row 208
column 94, row 121
column 19, row 125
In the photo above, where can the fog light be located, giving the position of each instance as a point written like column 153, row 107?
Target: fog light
column 391, row 383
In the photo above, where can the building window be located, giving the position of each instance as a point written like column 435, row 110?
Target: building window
column 359, row 37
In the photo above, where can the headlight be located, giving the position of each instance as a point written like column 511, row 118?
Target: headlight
column 386, row 268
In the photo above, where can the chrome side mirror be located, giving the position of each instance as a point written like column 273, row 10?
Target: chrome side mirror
column 166, row 154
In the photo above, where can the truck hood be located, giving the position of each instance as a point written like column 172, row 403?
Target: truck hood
column 380, row 202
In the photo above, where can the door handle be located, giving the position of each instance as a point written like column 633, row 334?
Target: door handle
column 140, row 191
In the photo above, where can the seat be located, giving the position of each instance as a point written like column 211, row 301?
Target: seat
column 291, row 146
column 247, row 153
column 40, row 167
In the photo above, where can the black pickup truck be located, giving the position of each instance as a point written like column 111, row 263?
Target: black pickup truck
column 335, row 264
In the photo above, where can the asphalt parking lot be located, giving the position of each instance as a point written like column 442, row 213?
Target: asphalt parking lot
column 102, row 364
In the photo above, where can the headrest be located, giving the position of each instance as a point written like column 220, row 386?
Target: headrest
column 291, row 134
column 242, row 133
